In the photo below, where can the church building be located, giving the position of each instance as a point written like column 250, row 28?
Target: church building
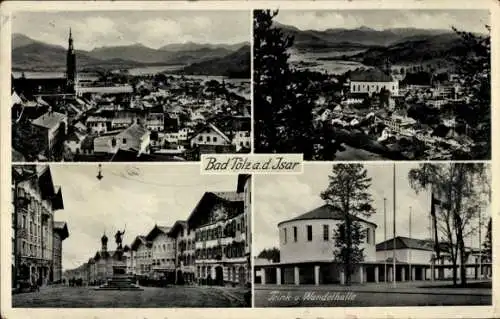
column 48, row 83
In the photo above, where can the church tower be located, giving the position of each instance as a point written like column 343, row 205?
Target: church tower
column 70, row 66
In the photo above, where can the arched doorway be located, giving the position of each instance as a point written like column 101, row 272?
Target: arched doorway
column 180, row 278
column 219, row 276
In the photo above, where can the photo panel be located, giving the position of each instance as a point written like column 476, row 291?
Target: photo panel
column 361, row 85
column 129, row 236
column 374, row 235
column 128, row 86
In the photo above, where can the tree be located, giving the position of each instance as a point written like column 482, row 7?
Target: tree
column 474, row 68
column 348, row 193
column 271, row 77
column 272, row 254
column 284, row 98
column 460, row 194
column 27, row 141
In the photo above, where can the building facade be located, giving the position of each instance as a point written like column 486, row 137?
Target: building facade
column 142, row 255
column 60, row 234
column 37, row 237
column 245, row 187
column 372, row 81
column 307, row 255
column 220, row 227
column 184, row 252
column 162, row 252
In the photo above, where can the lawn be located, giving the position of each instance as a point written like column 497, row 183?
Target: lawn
column 83, row 297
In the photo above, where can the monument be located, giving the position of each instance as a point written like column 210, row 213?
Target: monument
column 120, row 279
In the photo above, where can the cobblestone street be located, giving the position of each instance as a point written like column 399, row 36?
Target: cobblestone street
column 84, row 297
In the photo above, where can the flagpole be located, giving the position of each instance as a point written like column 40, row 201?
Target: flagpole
column 394, row 224
column 385, row 241
column 430, row 236
column 409, row 252
column 480, row 250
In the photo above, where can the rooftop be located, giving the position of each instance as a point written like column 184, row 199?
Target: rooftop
column 325, row 212
column 106, row 89
column 49, row 120
column 406, row 243
column 370, row 75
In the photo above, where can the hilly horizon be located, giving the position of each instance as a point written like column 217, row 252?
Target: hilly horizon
column 236, row 65
column 358, row 37
column 28, row 53
column 372, row 47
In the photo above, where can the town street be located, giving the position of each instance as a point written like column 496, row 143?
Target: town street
column 407, row 294
column 150, row 297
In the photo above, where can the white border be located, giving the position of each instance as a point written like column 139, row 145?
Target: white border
column 396, row 312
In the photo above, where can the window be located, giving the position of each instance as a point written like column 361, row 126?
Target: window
column 368, row 239
column 215, row 139
column 200, row 138
column 309, row 233
column 124, row 141
column 295, row 234
column 325, row 232
column 284, row 235
column 208, row 138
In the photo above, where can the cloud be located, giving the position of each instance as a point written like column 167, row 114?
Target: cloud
column 153, row 29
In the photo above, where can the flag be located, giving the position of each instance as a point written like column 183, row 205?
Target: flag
column 435, row 202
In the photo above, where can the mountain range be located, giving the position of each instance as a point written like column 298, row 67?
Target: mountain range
column 372, row 47
column 29, row 54
column 359, row 37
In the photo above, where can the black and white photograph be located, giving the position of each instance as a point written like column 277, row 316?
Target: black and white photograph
column 372, row 84
column 126, row 236
column 374, row 235
column 125, row 86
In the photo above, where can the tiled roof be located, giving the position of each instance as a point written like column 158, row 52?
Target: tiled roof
column 229, row 196
column 96, row 119
column 106, row 89
column 406, row 243
column 59, row 225
column 49, row 120
column 177, row 225
column 212, row 127
column 371, row 75
column 325, row 212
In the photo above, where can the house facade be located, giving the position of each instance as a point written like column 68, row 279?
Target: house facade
column 372, row 81
column 37, row 237
column 220, row 225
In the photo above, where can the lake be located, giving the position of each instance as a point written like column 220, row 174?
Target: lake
column 313, row 61
column 146, row 70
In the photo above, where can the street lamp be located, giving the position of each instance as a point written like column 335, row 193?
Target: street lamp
column 99, row 174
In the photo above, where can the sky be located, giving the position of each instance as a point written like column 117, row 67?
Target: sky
column 279, row 198
column 467, row 20
column 130, row 197
column 150, row 28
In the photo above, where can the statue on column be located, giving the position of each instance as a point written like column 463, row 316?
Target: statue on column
column 118, row 239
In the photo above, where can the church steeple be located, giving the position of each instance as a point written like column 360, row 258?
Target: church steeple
column 70, row 41
column 70, row 65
